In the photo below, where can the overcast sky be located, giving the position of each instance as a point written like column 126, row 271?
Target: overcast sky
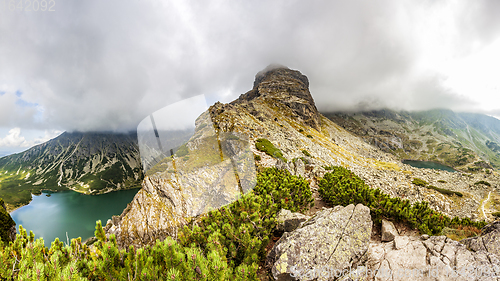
column 106, row 65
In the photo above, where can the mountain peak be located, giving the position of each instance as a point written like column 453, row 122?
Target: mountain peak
column 286, row 86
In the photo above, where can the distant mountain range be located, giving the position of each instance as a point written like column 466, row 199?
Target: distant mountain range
column 462, row 140
column 90, row 163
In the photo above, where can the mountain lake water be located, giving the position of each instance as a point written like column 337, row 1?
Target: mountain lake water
column 428, row 165
column 53, row 214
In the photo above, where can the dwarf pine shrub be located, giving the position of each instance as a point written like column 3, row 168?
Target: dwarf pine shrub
column 244, row 227
column 483, row 182
column 419, row 182
column 6, row 222
column 225, row 244
column 445, row 191
column 343, row 187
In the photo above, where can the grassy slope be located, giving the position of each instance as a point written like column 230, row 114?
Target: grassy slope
column 457, row 140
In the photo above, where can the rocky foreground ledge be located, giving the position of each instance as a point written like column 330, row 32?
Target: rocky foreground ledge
column 335, row 244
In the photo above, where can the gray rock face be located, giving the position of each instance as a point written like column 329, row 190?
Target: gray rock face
column 332, row 240
column 388, row 231
column 7, row 224
column 488, row 241
column 289, row 87
column 300, row 168
column 437, row 258
column 288, row 221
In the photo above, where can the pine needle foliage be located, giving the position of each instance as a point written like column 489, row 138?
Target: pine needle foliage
column 244, row 227
column 343, row 187
column 225, row 244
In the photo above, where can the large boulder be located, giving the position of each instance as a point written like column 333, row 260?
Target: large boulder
column 328, row 243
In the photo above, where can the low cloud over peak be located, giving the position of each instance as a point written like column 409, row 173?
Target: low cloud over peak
column 105, row 65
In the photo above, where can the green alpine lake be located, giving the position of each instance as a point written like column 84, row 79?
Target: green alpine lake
column 428, row 165
column 55, row 214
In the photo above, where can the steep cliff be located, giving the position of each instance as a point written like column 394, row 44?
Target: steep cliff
column 7, row 224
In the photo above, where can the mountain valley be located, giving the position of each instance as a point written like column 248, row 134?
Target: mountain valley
column 89, row 163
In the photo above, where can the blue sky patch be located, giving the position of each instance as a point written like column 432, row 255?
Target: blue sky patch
column 24, row 103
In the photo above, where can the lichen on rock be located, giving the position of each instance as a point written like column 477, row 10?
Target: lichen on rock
column 330, row 241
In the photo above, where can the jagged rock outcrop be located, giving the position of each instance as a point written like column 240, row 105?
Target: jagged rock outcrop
column 488, row 240
column 290, row 88
column 332, row 240
column 7, row 224
column 161, row 212
column 214, row 170
column 288, row 221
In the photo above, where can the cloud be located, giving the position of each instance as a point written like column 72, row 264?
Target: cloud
column 14, row 139
column 105, row 65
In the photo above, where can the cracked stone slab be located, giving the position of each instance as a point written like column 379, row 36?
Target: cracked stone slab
column 436, row 258
column 323, row 246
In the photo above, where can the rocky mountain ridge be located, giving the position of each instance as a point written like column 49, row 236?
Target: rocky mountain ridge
column 281, row 110
column 466, row 141
column 90, row 163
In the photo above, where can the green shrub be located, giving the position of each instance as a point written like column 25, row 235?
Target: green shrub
column 445, row 191
column 309, row 136
column 256, row 157
column 441, row 181
column 301, row 130
column 245, row 226
column 225, row 244
column 306, row 153
column 419, row 182
column 483, row 182
column 343, row 187
column 266, row 146
column 496, row 214
column 182, row 151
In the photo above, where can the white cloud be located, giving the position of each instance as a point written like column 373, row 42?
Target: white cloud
column 14, row 139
